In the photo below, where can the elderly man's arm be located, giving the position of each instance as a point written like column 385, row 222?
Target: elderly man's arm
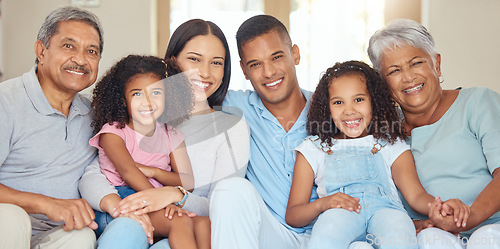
column 75, row 213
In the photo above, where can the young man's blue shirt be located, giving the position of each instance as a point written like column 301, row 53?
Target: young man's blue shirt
column 272, row 158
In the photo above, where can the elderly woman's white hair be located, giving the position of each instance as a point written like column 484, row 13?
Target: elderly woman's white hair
column 399, row 33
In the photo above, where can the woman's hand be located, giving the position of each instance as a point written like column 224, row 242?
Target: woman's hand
column 446, row 223
column 171, row 209
column 145, row 223
column 340, row 200
column 110, row 201
column 459, row 210
column 148, row 200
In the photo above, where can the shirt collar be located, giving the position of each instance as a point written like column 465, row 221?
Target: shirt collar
column 40, row 102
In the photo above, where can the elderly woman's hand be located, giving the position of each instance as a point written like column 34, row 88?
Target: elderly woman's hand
column 446, row 222
column 459, row 210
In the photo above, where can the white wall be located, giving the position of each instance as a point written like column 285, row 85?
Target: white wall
column 1, row 45
column 467, row 34
column 126, row 24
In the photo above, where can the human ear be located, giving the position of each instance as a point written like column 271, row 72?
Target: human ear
column 40, row 50
column 437, row 64
column 296, row 54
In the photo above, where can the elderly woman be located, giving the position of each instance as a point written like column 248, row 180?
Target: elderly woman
column 454, row 137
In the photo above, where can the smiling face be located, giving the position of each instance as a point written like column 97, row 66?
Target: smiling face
column 350, row 105
column 269, row 63
column 70, row 63
column 145, row 100
column 202, row 60
column 412, row 77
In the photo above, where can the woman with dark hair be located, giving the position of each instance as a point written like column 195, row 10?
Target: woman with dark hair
column 218, row 143
column 193, row 34
column 139, row 145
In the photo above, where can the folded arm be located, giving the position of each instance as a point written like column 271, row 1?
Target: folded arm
column 114, row 147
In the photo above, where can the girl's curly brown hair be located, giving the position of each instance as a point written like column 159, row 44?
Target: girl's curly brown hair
column 108, row 100
column 385, row 123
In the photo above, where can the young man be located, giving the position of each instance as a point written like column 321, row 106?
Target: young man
column 44, row 150
column 251, row 214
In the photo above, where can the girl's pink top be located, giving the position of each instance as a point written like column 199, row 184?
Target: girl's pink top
column 151, row 151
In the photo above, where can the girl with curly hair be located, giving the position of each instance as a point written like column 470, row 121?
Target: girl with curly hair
column 217, row 142
column 356, row 156
column 136, row 108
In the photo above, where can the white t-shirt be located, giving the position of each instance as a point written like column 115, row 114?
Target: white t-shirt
column 218, row 145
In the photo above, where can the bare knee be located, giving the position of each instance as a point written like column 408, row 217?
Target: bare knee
column 202, row 222
column 165, row 226
column 183, row 223
column 202, row 226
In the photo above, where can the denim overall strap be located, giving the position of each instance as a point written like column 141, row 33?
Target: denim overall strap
column 321, row 145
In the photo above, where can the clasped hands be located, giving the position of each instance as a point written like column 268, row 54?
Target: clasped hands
column 450, row 215
column 138, row 205
column 151, row 200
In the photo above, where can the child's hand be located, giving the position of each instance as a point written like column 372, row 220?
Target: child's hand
column 171, row 209
column 422, row 224
column 149, row 172
column 341, row 200
column 458, row 209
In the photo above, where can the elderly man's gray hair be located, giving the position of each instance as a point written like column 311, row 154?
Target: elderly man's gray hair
column 67, row 13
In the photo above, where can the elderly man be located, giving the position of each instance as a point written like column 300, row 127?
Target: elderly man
column 44, row 150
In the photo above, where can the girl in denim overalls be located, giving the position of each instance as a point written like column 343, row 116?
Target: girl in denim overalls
column 355, row 151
